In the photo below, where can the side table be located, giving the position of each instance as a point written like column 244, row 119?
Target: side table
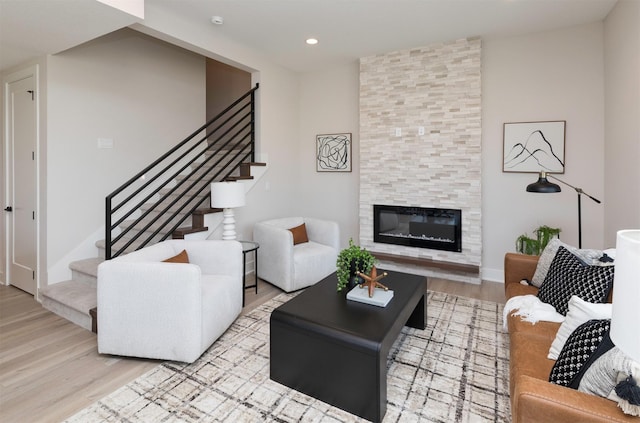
column 247, row 247
column 94, row 319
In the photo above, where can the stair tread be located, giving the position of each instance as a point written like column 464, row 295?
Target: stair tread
column 238, row 178
column 87, row 266
column 181, row 232
column 79, row 296
column 207, row 210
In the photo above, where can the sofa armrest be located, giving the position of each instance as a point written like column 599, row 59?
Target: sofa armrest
column 518, row 267
column 324, row 232
column 536, row 400
column 133, row 298
column 275, row 252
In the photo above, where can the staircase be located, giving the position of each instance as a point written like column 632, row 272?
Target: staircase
column 72, row 299
column 158, row 202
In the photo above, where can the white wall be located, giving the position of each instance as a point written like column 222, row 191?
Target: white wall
column 546, row 76
column 277, row 121
column 143, row 94
column 329, row 105
column 555, row 75
column 551, row 75
column 622, row 118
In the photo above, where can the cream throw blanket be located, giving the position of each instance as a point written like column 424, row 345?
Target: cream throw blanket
column 530, row 309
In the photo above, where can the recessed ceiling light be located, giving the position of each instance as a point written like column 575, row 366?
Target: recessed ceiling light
column 312, row 41
column 218, row 20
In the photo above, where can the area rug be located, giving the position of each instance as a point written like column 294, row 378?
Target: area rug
column 456, row 370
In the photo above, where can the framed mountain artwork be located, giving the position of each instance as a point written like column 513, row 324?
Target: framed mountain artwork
column 534, row 146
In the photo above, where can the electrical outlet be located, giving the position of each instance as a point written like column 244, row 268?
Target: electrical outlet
column 420, row 130
column 398, row 132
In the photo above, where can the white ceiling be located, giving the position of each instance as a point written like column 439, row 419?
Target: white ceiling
column 347, row 29
column 33, row 28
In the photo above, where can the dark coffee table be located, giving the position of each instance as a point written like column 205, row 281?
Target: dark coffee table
column 336, row 350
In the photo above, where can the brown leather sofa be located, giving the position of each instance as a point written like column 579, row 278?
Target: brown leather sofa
column 533, row 397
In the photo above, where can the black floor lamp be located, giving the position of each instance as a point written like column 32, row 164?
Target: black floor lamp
column 544, row 186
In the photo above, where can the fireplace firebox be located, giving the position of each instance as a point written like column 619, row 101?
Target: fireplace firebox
column 434, row 228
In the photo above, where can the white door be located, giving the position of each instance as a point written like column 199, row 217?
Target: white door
column 21, row 183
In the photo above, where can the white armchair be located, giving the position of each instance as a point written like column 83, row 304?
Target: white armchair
column 294, row 267
column 171, row 311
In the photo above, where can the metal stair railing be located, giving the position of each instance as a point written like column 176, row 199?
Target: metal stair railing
column 177, row 183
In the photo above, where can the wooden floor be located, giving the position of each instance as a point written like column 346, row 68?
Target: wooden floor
column 50, row 368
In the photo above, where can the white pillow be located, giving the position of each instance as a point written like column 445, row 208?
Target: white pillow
column 579, row 312
column 588, row 257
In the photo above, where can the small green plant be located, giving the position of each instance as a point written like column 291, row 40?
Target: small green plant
column 535, row 246
column 361, row 259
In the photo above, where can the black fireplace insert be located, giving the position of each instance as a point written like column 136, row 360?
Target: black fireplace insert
column 434, row 228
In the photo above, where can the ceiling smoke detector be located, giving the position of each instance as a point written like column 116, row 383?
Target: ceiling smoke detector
column 218, row 20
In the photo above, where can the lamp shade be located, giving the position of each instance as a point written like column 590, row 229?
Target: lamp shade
column 226, row 195
column 543, row 185
column 625, row 318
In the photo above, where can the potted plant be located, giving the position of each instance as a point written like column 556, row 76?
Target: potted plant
column 351, row 260
column 535, row 246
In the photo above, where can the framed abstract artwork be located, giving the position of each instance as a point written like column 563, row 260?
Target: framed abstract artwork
column 333, row 152
column 534, row 146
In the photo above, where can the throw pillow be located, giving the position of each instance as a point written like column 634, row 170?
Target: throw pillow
column 568, row 276
column 590, row 257
column 580, row 345
column 601, row 377
column 627, row 390
column 181, row 257
column 299, row 234
column 605, row 346
column 580, row 311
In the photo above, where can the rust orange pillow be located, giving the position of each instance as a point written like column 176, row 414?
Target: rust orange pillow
column 181, row 257
column 299, row 234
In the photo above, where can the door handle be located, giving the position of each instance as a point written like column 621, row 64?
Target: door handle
column 8, row 209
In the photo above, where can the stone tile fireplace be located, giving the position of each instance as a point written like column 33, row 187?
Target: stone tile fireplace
column 431, row 96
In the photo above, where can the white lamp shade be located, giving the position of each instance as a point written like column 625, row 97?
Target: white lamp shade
column 225, row 195
column 625, row 318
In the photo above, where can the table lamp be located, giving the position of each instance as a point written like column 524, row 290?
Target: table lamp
column 625, row 320
column 227, row 196
column 625, row 331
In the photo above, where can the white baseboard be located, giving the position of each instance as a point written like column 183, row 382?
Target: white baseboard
column 60, row 271
column 493, row 275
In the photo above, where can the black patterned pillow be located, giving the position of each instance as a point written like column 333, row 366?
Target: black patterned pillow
column 569, row 276
column 579, row 347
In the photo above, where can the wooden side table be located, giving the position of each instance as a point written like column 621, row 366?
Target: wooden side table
column 247, row 247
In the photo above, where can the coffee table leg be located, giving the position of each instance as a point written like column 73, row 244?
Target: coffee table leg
column 418, row 318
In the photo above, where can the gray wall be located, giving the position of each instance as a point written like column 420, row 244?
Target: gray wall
column 545, row 76
column 556, row 75
column 143, row 94
column 622, row 119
